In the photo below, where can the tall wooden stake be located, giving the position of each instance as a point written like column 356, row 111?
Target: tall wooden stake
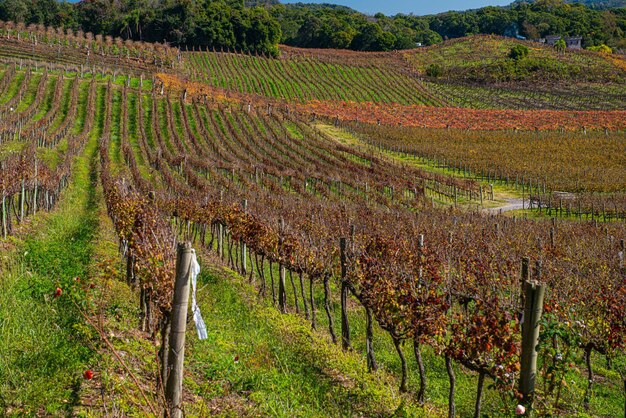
column 345, row 324
column 244, row 250
column 176, row 356
column 369, row 341
column 282, row 294
column 220, row 240
column 525, row 277
column 530, row 335
column 35, row 192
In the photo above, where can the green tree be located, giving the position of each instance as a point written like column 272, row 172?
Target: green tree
column 258, row 32
column 309, row 33
column 560, row 45
column 97, row 16
column 214, row 26
column 518, row 52
column 373, row 38
column 14, row 10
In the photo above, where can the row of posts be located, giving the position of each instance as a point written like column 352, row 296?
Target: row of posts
column 532, row 297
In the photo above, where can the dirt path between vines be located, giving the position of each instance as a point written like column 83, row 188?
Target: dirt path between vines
column 511, row 204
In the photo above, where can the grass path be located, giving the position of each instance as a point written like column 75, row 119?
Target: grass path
column 257, row 362
column 44, row 345
column 502, row 194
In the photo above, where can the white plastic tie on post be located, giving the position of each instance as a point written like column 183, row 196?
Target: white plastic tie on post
column 197, row 316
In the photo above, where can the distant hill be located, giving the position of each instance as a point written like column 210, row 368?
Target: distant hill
column 486, row 59
column 602, row 4
column 253, row 3
column 328, row 26
column 594, row 4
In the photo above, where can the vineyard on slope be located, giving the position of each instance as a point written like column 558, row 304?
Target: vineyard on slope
column 306, row 218
column 567, row 172
column 401, row 78
column 486, row 58
column 289, row 221
column 300, row 76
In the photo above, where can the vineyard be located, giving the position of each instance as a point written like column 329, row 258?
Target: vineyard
column 359, row 239
column 302, row 77
column 560, row 173
column 482, row 58
column 569, row 82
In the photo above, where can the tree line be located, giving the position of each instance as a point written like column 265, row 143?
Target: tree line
column 326, row 26
column 258, row 26
column 219, row 24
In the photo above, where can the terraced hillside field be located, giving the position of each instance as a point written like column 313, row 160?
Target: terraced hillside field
column 485, row 59
column 329, row 250
column 472, row 72
column 302, row 75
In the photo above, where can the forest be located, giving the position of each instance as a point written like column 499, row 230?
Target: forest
column 259, row 26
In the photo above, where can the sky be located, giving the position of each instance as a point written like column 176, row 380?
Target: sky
column 417, row 7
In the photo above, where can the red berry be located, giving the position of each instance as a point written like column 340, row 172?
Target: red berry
column 77, row 279
column 91, row 285
column 88, row 375
column 237, row 359
column 58, row 292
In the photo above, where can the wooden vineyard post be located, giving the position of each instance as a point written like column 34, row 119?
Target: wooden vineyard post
column 525, row 278
column 621, row 254
column 416, row 342
column 35, row 192
column 282, row 295
column 533, row 309
column 22, row 196
column 4, row 215
column 220, row 239
column 244, row 266
column 345, row 324
column 176, row 355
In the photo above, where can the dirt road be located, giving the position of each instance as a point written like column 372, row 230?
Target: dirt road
column 511, row 204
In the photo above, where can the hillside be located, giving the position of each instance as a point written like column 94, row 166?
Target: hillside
column 595, row 4
column 471, row 72
column 486, row 59
column 354, row 240
column 474, row 72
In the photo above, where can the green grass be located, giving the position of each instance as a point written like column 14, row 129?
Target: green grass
column 116, row 115
column 47, row 100
column 82, row 107
column 13, row 88
column 11, row 147
column 284, row 369
column 293, row 130
column 387, row 358
column 44, row 345
column 30, row 93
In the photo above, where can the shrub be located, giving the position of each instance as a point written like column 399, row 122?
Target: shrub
column 518, row 52
column 434, row 70
column 603, row 49
column 560, row 45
